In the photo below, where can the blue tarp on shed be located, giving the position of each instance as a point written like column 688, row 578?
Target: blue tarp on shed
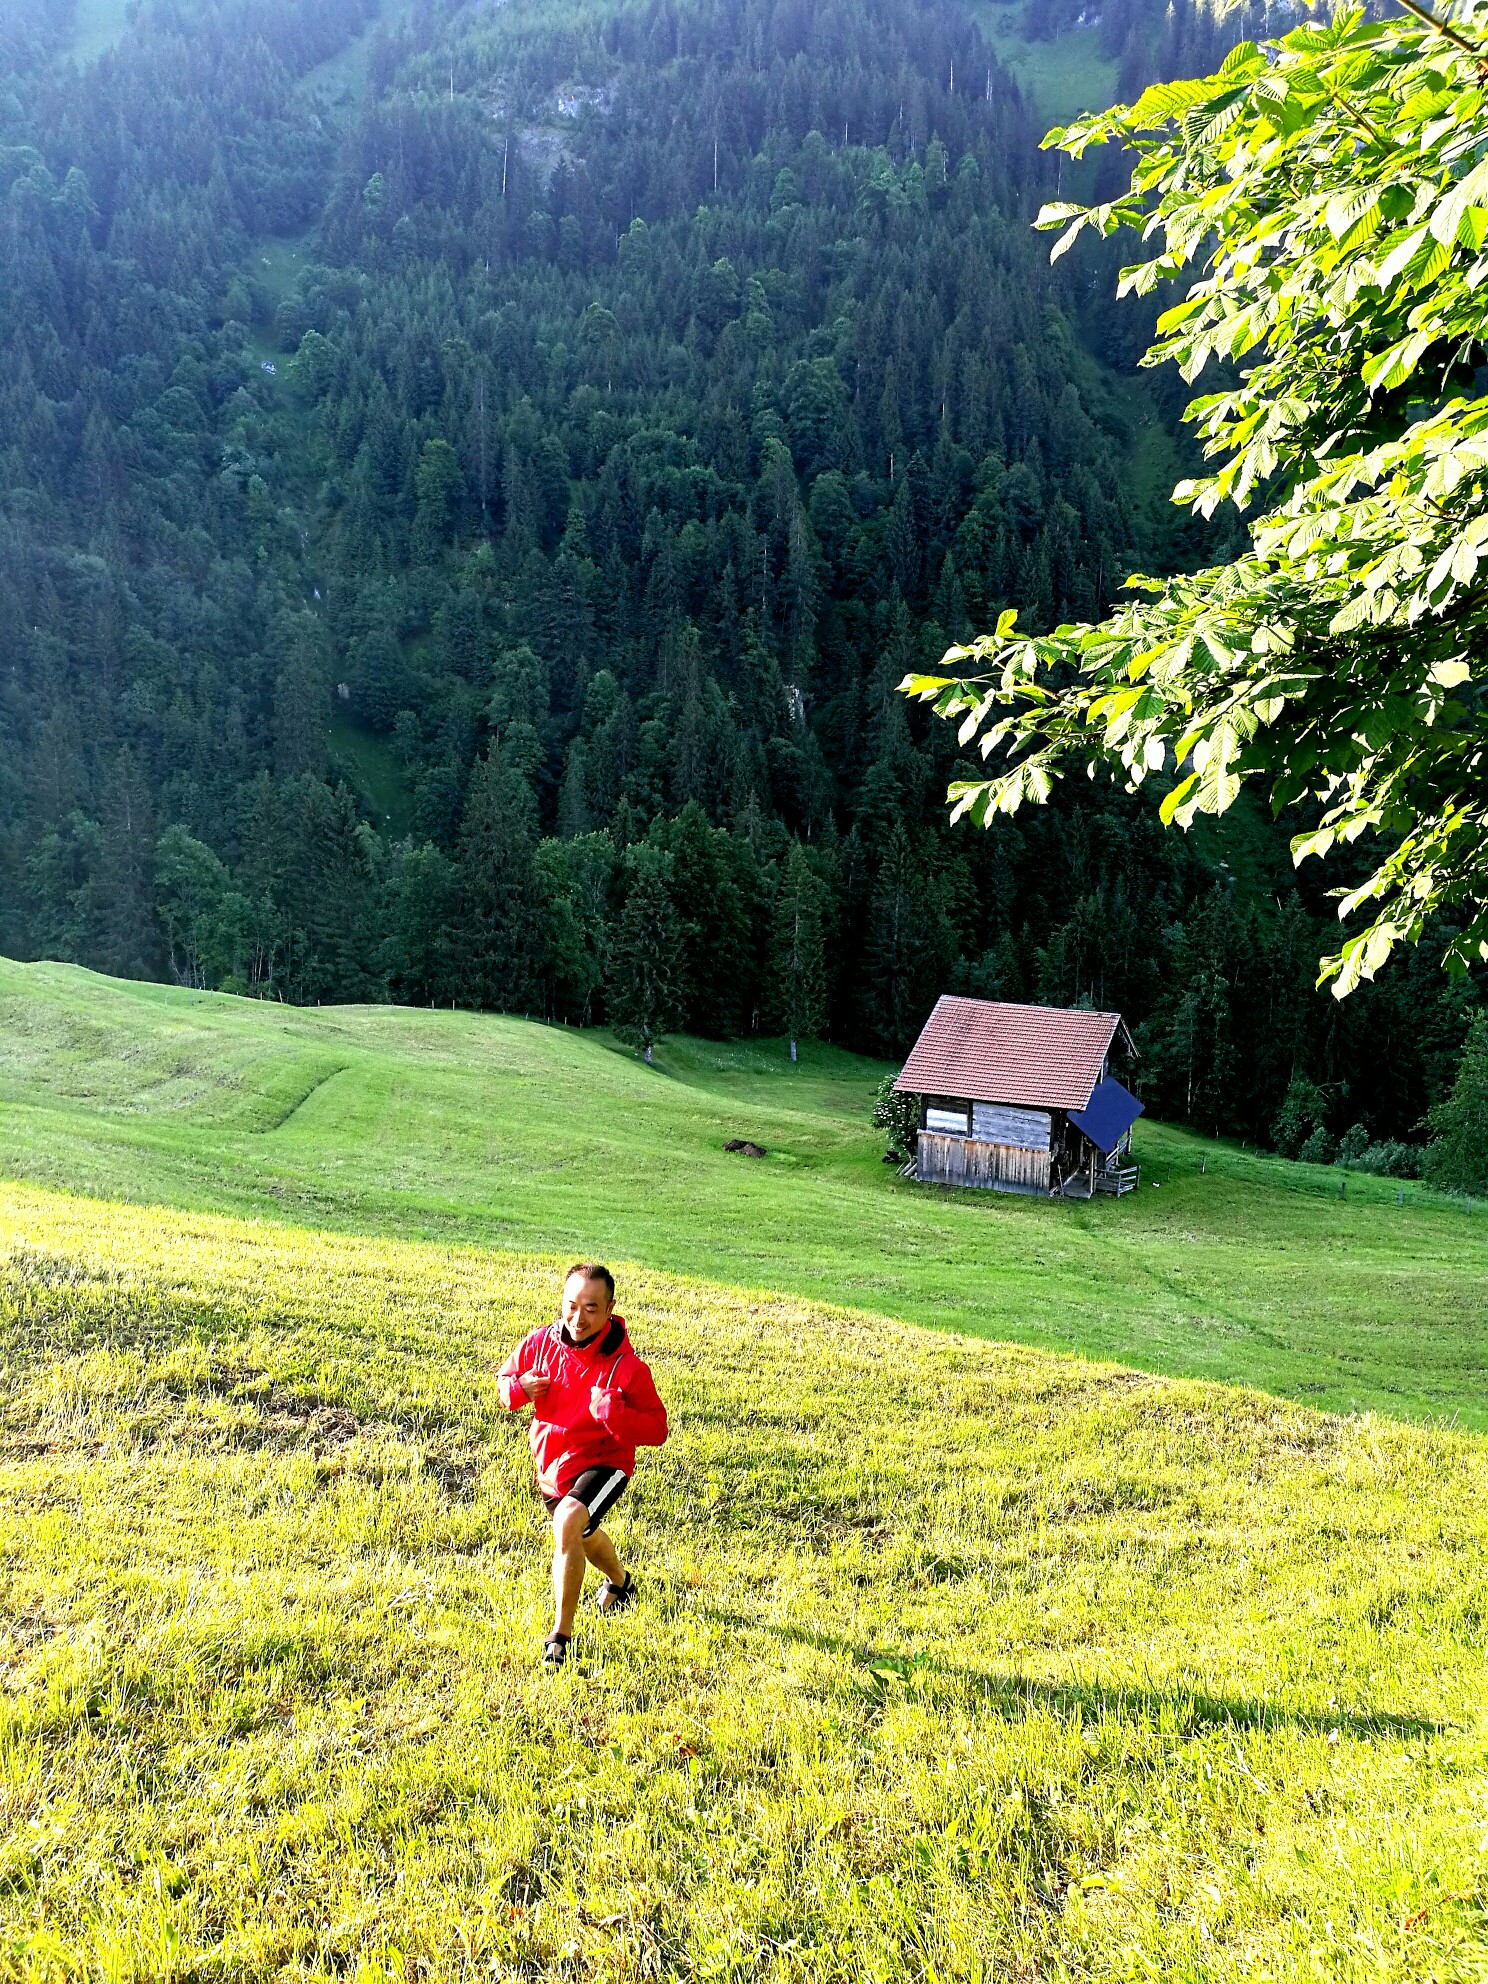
column 1107, row 1116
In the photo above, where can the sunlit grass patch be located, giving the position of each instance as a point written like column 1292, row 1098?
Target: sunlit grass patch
column 951, row 1661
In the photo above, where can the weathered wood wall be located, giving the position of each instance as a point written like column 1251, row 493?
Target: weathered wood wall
column 968, row 1161
column 1000, row 1123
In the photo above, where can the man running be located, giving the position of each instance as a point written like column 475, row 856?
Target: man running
column 593, row 1403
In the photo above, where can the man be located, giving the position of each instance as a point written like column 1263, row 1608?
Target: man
column 593, row 1403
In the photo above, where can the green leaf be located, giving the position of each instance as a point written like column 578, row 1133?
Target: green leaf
column 1345, row 210
column 1054, row 213
column 1399, row 256
column 1202, row 127
column 1319, row 843
column 1166, row 100
column 1447, row 214
column 1244, row 55
column 1388, row 369
column 1451, row 674
column 1176, row 797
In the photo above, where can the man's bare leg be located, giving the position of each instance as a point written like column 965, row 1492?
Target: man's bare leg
column 603, row 1555
column 570, row 1559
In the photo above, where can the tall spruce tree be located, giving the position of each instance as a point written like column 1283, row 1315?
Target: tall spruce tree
column 497, row 838
column 646, row 963
column 798, row 961
column 1457, row 1157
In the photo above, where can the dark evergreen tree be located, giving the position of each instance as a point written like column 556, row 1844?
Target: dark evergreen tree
column 1457, row 1156
column 422, row 953
column 498, row 899
column 192, row 892
column 798, row 965
column 646, row 960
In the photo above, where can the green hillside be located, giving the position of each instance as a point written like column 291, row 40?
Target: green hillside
column 949, row 1662
column 1063, row 75
column 97, row 25
column 492, row 1130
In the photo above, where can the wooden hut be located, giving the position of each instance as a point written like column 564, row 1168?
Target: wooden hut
column 1022, row 1099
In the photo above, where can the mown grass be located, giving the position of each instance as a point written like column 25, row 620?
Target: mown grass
column 952, row 1661
column 472, row 1128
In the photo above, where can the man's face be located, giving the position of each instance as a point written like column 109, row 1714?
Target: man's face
column 586, row 1307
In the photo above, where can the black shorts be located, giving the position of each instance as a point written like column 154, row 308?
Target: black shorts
column 598, row 1488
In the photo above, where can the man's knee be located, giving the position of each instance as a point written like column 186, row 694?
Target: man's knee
column 570, row 1520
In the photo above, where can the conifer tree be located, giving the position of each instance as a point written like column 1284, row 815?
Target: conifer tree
column 798, row 964
column 497, row 838
column 1457, row 1159
column 300, row 706
column 646, row 965
column 908, row 946
column 191, row 885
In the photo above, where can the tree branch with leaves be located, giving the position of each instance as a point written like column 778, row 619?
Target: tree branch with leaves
column 1327, row 194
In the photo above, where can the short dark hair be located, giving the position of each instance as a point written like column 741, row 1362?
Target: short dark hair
column 592, row 1271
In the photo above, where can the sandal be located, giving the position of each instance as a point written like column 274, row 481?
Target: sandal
column 555, row 1649
column 615, row 1597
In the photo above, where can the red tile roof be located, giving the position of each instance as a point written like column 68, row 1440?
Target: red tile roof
column 1046, row 1057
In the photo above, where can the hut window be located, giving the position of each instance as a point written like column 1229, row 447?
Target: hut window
column 948, row 1119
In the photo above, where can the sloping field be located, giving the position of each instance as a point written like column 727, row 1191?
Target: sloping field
column 469, row 1127
column 951, row 1661
column 1062, row 76
column 96, row 26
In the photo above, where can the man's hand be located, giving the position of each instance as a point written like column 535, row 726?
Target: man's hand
column 597, row 1396
column 534, row 1384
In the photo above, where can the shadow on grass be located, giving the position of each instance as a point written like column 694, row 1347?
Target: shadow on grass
column 1185, row 1711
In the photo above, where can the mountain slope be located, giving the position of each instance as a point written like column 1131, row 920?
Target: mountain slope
column 464, row 1126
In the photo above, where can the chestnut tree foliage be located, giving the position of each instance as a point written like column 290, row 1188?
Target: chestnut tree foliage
column 1328, row 195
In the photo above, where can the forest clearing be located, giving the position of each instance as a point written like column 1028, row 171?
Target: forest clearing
column 952, row 1661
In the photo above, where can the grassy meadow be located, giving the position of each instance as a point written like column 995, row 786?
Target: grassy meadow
column 470, row 1128
column 951, row 1660
column 96, row 26
column 1061, row 76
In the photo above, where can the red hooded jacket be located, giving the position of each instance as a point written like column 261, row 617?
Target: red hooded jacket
column 573, row 1426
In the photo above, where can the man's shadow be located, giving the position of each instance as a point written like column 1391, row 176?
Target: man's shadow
column 1016, row 1696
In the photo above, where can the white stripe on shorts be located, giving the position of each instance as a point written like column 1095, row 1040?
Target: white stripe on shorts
column 608, row 1495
